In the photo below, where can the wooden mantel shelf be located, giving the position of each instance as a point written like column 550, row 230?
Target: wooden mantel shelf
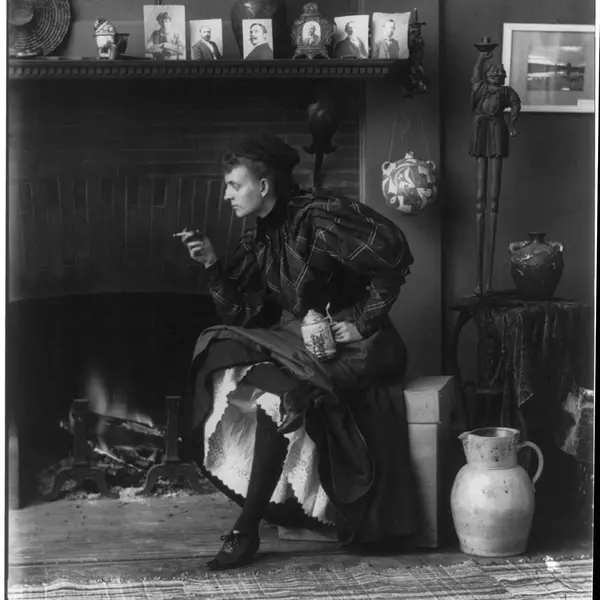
column 190, row 69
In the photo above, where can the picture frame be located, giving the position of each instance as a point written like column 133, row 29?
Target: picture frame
column 206, row 39
column 311, row 33
column 164, row 32
column 257, row 39
column 389, row 35
column 351, row 37
column 551, row 66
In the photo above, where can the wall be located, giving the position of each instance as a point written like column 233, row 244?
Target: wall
column 394, row 125
column 102, row 173
column 547, row 182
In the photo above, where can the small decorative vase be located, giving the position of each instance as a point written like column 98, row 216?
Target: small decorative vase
column 258, row 9
column 492, row 498
column 536, row 266
column 317, row 335
column 410, row 184
column 109, row 42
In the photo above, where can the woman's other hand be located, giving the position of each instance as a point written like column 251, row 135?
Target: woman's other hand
column 345, row 332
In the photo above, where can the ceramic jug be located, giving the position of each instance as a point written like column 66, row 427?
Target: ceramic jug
column 492, row 498
column 409, row 184
column 536, row 266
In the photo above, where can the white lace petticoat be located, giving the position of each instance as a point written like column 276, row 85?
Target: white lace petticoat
column 229, row 445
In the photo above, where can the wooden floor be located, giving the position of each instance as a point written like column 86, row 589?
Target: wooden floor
column 135, row 538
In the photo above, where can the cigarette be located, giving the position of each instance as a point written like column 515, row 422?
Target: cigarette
column 180, row 234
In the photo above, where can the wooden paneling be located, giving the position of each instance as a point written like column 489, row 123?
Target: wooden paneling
column 102, row 174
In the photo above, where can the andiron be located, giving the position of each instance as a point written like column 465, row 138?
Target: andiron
column 171, row 467
column 80, row 469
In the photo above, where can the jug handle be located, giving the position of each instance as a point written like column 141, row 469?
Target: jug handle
column 540, row 459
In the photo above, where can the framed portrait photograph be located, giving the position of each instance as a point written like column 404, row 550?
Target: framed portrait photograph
column 206, row 39
column 390, row 35
column 351, row 36
column 551, row 67
column 311, row 33
column 258, row 39
column 164, row 30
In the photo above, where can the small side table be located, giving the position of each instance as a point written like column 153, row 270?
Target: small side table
column 524, row 350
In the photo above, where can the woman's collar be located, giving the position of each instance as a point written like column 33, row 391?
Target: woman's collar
column 274, row 220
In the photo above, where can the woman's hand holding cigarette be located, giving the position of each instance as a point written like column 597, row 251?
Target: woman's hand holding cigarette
column 199, row 246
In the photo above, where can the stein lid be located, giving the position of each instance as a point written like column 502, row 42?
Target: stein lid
column 312, row 316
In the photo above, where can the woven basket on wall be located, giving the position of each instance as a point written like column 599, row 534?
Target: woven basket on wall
column 37, row 27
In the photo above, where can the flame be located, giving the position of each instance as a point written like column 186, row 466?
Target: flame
column 102, row 402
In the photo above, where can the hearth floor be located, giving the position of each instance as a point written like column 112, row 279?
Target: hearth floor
column 172, row 537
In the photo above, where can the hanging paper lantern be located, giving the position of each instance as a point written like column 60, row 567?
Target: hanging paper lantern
column 409, row 184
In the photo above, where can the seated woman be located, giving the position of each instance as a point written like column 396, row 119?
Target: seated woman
column 291, row 438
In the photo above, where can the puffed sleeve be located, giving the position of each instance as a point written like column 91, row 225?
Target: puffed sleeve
column 369, row 244
column 238, row 290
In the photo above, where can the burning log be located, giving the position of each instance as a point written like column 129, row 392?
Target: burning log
column 124, row 445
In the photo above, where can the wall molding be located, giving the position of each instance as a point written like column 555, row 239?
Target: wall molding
column 185, row 69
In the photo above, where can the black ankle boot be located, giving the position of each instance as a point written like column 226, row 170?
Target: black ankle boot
column 237, row 550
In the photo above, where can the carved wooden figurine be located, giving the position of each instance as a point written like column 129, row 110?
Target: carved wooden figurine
column 489, row 146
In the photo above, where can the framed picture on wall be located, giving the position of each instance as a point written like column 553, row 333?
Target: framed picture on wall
column 552, row 67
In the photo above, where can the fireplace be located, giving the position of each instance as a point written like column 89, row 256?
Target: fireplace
column 101, row 174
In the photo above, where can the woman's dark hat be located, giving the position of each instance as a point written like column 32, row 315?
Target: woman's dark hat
column 37, row 27
column 267, row 148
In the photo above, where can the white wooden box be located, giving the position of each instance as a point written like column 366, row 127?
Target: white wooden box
column 429, row 405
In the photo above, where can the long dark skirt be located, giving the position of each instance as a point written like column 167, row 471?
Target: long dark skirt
column 359, row 429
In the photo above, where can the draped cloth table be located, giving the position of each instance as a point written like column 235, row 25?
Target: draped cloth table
column 529, row 358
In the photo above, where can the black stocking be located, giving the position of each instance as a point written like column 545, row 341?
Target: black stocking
column 270, row 450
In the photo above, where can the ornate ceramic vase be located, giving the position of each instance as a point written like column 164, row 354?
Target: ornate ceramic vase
column 317, row 335
column 109, row 42
column 536, row 266
column 258, row 9
column 409, row 184
column 492, row 499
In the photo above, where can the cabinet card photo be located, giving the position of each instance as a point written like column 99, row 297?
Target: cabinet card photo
column 351, row 37
column 164, row 30
column 258, row 39
column 390, row 35
column 206, row 39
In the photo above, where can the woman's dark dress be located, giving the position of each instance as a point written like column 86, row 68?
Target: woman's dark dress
column 306, row 253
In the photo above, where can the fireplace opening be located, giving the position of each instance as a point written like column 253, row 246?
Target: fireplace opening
column 124, row 353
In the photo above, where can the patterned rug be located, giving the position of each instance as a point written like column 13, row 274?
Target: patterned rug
column 548, row 579
column 508, row 580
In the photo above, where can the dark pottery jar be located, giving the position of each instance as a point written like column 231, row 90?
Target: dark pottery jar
column 260, row 9
column 536, row 266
